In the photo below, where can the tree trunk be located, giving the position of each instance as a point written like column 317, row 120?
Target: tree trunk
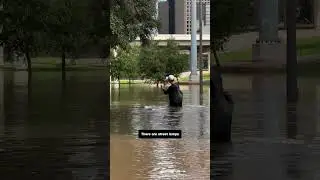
column 29, row 89
column 29, row 65
column 63, row 64
column 216, row 57
column 7, row 54
column 119, row 81
column 63, row 60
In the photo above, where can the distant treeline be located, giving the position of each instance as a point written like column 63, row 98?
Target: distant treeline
column 72, row 28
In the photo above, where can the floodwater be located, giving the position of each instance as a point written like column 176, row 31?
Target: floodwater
column 139, row 107
column 55, row 130
column 271, row 139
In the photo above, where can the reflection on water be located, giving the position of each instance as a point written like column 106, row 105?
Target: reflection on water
column 271, row 139
column 143, row 107
column 50, row 131
column 53, row 131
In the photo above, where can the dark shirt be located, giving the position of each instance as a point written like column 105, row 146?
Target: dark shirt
column 175, row 95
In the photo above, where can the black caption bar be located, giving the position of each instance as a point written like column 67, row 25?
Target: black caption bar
column 166, row 134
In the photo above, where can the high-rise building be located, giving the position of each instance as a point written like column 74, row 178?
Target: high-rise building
column 308, row 15
column 181, row 19
column 205, row 15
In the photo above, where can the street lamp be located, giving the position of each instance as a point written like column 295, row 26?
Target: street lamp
column 200, row 50
column 193, row 58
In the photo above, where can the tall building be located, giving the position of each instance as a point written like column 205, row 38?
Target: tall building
column 308, row 15
column 205, row 15
column 179, row 11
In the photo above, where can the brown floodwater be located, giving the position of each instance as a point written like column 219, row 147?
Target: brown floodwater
column 139, row 107
column 55, row 130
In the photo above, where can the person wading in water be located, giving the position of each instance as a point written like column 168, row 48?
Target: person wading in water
column 173, row 90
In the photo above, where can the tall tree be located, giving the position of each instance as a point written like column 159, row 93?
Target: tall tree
column 154, row 65
column 22, row 21
column 131, row 19
column 67, row 28
column 99, row 31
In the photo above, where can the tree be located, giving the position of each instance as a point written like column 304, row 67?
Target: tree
column 131, row 19
column 176, row 62
column 152, row 66
column 125, row 64
column 99, row 31
column 229, row 17
column 131, row 62
column 22, row 22
column 68, row 25
column 156, row 61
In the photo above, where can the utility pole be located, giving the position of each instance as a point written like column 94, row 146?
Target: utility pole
column 292, row 69
column 200, row 50
column 292, row 64
column 193, row 59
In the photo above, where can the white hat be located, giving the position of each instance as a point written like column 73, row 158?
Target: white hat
column 171, row 77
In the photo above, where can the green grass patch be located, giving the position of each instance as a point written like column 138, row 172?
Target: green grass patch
column 308, row 46
column 46, row 60
column 54, row 64
column 237, row 55
column 126, row 81
column 206, row 76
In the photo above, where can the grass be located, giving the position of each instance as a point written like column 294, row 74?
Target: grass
column 206, row 76
column 54, row 64
column 237, row 55
column 308, row 46
column 126, row 81
column 305, row 47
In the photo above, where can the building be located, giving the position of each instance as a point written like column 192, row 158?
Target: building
column 205, row 15
column 175, row 16
column 308, row 15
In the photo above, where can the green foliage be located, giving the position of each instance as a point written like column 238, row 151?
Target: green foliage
column 131, row 19
column 67, row 24
column 22, row 22
column 152, row 66
column 125, row 64
column 69, row 27
column 156, row 61
column 175, row 61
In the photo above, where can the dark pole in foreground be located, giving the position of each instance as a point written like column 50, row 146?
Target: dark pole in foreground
column 200, row 51
column 172, row 23
column 221, row 110
column 292, row 64
column 292, row 69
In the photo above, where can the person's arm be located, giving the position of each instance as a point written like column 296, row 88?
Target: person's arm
column 166, row 90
